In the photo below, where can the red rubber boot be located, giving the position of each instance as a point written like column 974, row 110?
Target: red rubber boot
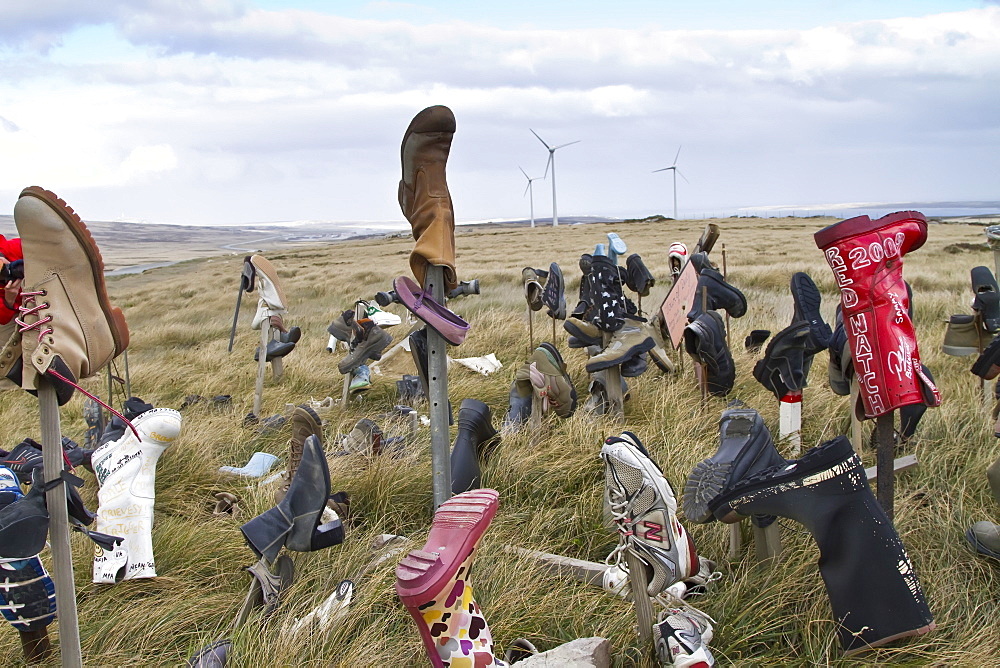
column 867, row 260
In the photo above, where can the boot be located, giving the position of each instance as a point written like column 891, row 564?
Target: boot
column 126, row 472
column 628, row 342
column 275, row 348
column 583, row 333
column 271, row 301
column 295, row 522
column 70, row 329
column 546, row 371
column 784, row 367
column 342, row 327
column 807, row 300
column 705, row 341
column 474, row 443
column 745, row 448
column 637, row 277
column 606, row 291
column 369, row 342
column 423, row 192
column 585, row 299
column 716, row 294
column 963, row 336
column 866, row 258
column 841, row 369
column 520, row 405
column 433, row 583
column 364, row 439
column 27, row 595
column 756, row 339
column 873, row 590
column 305, row 423
column 987, row 301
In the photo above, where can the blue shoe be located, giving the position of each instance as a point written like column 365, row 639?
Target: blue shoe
column 27, row 594
column 616, row 246
column 361, row 379
column 600, row 249
column 260, row 463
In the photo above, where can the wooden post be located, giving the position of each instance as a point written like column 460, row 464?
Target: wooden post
column 265, row 336
column 345, row 392
column 857, row 437
column 553, row 331
column 35, row 646
column 535, row 421
column 886, row 449
column 531, row 332
column 55, row 501
column 767, row 543
column 613, row 386
column 640, row 599
column 128, row 380
column 277, row 366
column 790, row 421
column 437, row 380
column 735, row 540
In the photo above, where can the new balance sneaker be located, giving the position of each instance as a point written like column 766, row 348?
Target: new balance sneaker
column 681, row 638
column 643, row 507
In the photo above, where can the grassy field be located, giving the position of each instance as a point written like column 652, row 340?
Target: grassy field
column 550, row 495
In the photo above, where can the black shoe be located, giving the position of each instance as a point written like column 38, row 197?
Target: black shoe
column 553, row 295
column 841, row 369
column 784, row 367
column 745, row 447
column 755, row 341
column 520, row 406
column 635, row 366
column 23, row 459
column 705, row 341
column 637, row 277
column 295, row 522
column 132, row 408
column 807, row 300
column 873, row 589
column 75, row 455
column 275, row 348
column 606, row 291
column 987, row 301
column 474, row 443
column 291, row 336
column 718, row 295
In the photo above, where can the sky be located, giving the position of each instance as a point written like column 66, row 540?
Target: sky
column 247, row 111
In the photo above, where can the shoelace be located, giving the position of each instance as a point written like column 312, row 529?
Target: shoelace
column 56, row 374
column 28, row 307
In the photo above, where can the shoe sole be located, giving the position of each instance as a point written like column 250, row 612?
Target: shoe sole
column 113, row 314
column 807, row 301
column 632, row 351
column 264, row 266
column 710, row 477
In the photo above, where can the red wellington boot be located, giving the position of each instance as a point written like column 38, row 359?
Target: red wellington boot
column 867, row 260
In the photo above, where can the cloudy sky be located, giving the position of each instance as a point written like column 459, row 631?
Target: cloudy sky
column 228, row 111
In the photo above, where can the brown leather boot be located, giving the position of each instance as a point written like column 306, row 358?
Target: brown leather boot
column 423, row 192
column 68, row 325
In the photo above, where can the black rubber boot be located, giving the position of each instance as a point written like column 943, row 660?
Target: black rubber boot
column 807, row 299
column 873, row 590
column 474, row 443
column 745, row 448
column 719, row 295
column 294, row 522
column 606, row 291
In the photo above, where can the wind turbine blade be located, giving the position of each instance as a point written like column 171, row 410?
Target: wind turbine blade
column 561, row 145
column 525, row 173
column 662, row 170
column 526, row 188
column 547, row 164
column 678, row 154
column 682, row 175
column 541, row 140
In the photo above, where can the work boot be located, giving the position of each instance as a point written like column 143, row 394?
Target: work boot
column 807, row 300
column 705, row 341
column 745, row 447
column 785, row 365
column 755, row 341
column 423, row 192
column 533, row 289
column 433, row 583
column 474, row 443
column 715, row 293
column 985, row 538
column 305, row 423
column 644, row 511
column 69, row 328
column 275, row 348
column 295, row 522
column 271, row 299
column 369, row 342
column 554, row 293
column 583, row 333
column 126, row 472
column 963, row 336
column 987, row 300
column 871, row 583
column 637, row 277
column 342, row 327
column 628, row 342
column 606, row 291
column 550, row 381
column 866, row 259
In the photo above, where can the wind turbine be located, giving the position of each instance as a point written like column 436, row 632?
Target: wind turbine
column 530, row 192
column 552, row 163
column 676, row 172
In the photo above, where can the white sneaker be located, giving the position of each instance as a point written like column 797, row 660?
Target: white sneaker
column 681, row 638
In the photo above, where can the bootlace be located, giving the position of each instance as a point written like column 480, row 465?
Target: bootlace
column 124, row 419
column 28, row 307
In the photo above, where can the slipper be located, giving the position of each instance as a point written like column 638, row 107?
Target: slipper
column 987, row 301
column 446, row 323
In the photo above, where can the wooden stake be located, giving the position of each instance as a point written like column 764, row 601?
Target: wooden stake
column 613, row 386
column 535, row 422
column 345, row 391
column 531, row 332
column 128, row 380
column 735, row 540
column 885, row 489
column 589, row 572
column 640, row 599
column 277, row 366
column 857, row 437
column 553, row 331
column 898, row 465
column 767, row 543
column 437, row 380
column 55, row 501
column 265, row 336
column 35, row 646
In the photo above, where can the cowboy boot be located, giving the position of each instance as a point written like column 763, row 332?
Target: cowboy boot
column 272, row 301
column 873, row 589
column 69, row 328
column 126, row 473
column 423, row 192
column 474, row 442
column 866, row 257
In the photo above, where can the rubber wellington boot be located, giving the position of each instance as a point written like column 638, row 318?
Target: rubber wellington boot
column 873, row 589
column 69, row 329
column 423, row 192
column 519, row 404
column 295, row 522
column 474, row 443
column 606, row 291
column 126, row 473
column 866, row 257
column 271, row 298
column 433, row 583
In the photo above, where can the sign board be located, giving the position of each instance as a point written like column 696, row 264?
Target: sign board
column 677, row 303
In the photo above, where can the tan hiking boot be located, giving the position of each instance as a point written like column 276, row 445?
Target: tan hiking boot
column 628, row 342
column 70, row 329
column 423, row 192
column 964, row 336
column 271, row 301
column 305, row 423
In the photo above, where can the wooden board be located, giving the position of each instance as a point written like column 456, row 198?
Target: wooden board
column 677, row 303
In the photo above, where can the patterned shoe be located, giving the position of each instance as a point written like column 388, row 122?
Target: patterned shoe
column 681, row 638
column 644, row 509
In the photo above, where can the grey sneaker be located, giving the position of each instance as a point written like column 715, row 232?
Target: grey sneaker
column 681, row 638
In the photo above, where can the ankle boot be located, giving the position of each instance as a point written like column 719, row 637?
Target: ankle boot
column 474, row 443
column 637, row 276
column 423, row 192
column 786, row 360
column 126, row 472
column 715, row 293
column 271, row 298
column 873, row 589
column 370, row 341
column 433, row 583
column 295, row 522
column 866, row 257
column 69, row 326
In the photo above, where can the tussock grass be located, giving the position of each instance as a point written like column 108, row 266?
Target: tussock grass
column 550, row 494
